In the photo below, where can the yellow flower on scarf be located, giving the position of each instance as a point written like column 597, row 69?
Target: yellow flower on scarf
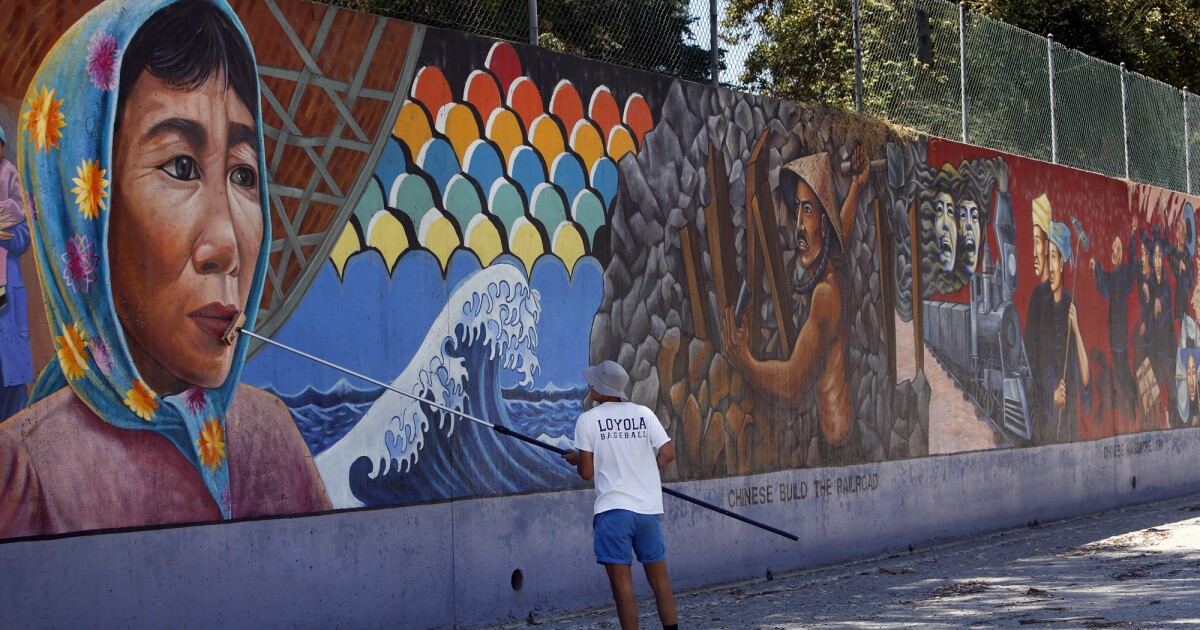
column 211, row 444
column 90, row 188
column 141, row 400
column 44, row 119
column 72, row 351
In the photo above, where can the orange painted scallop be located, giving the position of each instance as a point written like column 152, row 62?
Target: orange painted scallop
column 525, row 99
column 638, row 117
column 603, row 110
column 483, row 93
column 431, row 89
column 566, row 104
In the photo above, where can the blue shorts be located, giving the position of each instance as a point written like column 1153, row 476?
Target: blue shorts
column 620, row 532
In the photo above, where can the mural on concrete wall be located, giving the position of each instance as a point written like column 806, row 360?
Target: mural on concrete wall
column 474, row 222
column 1075, row 323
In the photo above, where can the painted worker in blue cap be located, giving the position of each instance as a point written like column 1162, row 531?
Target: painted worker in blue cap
column 622, row 446
column 1064, row 369
column 16, row 365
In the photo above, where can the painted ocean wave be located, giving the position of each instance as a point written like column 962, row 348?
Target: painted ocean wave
column 401, row 450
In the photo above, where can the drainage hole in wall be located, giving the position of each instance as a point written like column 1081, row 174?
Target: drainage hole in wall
column 518, row 580
column 1133, row 482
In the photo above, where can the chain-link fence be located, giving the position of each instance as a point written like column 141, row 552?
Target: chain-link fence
column 1025, row 94
column 925, row 64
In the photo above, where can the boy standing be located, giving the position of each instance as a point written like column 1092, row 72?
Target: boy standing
column 623, row 445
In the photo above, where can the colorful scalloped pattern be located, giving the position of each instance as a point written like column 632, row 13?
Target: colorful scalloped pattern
column 501, row 170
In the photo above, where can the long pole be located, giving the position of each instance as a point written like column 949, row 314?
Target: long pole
column 714, row 50
column 506, row 431
column 1053, row 109
column 1187, row 142
column 962, row 67
column 858, row 81
column 533, row 22
column 1125, row 113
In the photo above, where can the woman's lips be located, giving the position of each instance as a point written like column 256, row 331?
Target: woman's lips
column 214, row 318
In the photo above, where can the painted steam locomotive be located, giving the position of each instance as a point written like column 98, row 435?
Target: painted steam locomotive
column 980, row 343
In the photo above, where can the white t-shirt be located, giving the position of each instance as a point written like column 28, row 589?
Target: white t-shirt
column 623, row 438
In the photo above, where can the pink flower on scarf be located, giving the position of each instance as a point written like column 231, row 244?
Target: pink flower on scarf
column 80, row 261
column 102, row 61
column 193, row 398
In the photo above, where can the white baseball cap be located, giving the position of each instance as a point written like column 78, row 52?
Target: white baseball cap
column 608, row 379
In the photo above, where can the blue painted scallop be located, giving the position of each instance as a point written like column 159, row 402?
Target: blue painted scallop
column 438, row 159
column 483, row 164
column 526, row 169
column 604, row 180
column 567, row 173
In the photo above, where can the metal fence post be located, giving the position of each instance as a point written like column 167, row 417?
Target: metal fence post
column 962, row 67
column 858, row 85
column 533, row 22
column 1187, row 142
column 714, row 53
column 1125, row 113
column 1053, row 110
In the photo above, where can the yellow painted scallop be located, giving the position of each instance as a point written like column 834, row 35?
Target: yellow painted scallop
column 620, row 143
column 547, row 138
column 586, row 141
column 437, row 234
column 525, row 242
column 484, row 239
column 413, row 127
column 504, row 128
column 347, row 245
column 569, row 245
column 459, row 124
column 386, row 234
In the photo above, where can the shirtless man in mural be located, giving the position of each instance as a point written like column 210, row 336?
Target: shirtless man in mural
column 818, row 358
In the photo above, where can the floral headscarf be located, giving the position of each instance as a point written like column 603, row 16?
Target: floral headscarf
column 65, row 159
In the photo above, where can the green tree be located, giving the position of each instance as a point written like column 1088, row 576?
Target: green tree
column 653, row 35
column 806, row 50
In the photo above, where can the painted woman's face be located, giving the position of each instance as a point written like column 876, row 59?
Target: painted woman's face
column 186, row 228
column 1158, row 262
column 968, row 225
column 945, row 230
column 810, row 230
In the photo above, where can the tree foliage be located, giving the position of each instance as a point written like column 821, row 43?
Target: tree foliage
column 653, row 35
column 806, row 48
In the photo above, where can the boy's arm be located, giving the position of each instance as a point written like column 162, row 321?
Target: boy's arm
column 666, row 455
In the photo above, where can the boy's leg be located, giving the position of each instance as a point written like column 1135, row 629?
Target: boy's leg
column 660, row 583
column 621, row 580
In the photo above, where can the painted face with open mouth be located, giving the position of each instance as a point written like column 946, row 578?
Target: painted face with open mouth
column 945, row 231
column 968, row 225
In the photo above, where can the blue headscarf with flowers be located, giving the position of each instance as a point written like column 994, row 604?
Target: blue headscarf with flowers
column 65, row 157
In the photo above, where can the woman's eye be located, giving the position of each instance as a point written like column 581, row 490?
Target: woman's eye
column 244, row 176
column 182, row 168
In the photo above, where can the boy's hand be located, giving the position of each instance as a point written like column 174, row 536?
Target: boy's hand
column 572, row 457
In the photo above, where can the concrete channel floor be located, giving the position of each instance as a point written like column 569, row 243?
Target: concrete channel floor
column 1135, row 567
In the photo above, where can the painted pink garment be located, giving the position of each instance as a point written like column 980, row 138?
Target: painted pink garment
column 67, row 470
column 10, row 202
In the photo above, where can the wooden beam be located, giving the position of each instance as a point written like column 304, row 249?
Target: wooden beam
column 918, row 300
column 693, row 272
column 886, row 251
